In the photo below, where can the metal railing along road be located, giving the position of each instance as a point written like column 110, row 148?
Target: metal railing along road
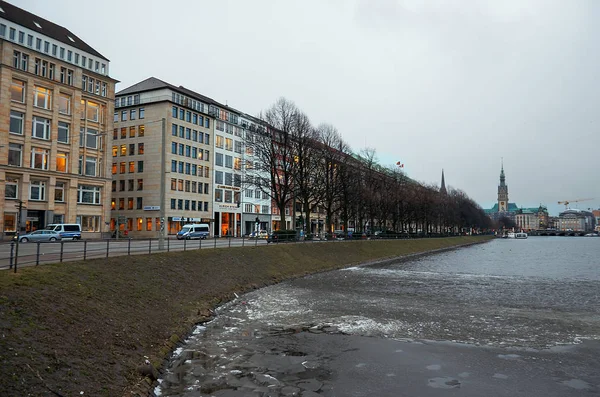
column 37, row 253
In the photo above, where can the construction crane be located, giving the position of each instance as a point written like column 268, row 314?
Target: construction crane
column 567, row 202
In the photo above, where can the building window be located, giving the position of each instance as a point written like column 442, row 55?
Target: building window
column 15, row 154
column 228, row 144
column 131, row 167
column 122, row 185
column 90, row 166
column 219, row 195
column 37, row 190
column 89, row 223
column 228, row 179
column 40, row 158
column 140, row 184
column 219, row 177
column 122, row 167
column 173, row 165
column 114, row 168
column 16, row 122
column 130, row 203
column 228, row 196
column 228, row 161
column 20, row 60
column 140, row 165
column 42, row 97
column 61, row 161
column 63, row 132
column 265, row 209
column 140, row 148
column 130, row 185
column 248, row 207
column 174, row 184
column 17, row 91
column 131, row 149
column 87, row 194
column 64, row 104
column 123, row 150
column 59, row 192
column 123, row 133
column 41, row 128
column 11, row 188
column 89, row 138
column 132, row 114
column 142, row 113
column 180, row 185
column 92, row 111
column 219, row 159
column 140, row 203
column 104, row 89
column 187, row 186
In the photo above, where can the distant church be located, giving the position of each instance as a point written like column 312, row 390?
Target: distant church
column 525, row 218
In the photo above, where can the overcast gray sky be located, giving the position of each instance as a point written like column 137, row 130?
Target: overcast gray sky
column 434, row 84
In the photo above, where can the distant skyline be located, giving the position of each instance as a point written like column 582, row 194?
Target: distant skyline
column 434, row 84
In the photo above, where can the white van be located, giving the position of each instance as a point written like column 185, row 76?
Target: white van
column 66, row 230
column 198, row 230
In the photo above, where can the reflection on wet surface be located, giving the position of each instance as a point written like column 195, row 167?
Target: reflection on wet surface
column 502, row 324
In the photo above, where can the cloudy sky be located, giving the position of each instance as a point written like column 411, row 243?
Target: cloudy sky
column 452, row 84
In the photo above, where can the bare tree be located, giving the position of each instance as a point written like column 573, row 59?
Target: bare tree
column 273, row 148
column 329, row 172
column 306, row 158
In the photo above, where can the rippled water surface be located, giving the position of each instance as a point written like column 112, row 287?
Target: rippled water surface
column 518, row 312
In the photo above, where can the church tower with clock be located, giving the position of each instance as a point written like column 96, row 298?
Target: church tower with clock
column 502, row 192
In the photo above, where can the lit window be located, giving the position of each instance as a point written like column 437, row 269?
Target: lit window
column 61, row 161
column 42, row 98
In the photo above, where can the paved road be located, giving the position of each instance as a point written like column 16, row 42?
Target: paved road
column 76, row 250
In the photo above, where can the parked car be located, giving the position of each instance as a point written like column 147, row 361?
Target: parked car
column 281, row 235
column 263, row 234
column 39, row 235
column 194, row 231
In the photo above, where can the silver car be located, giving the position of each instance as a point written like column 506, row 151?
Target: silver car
column 39, row 235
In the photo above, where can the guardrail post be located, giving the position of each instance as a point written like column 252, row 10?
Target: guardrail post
column 168, row 244
column 256, row 242
column 149, row 245
column 215, row 241
column 37, row 254
column 242, row 240
column 200, row 243
column 129, row 247
column 12, row 248
column 184, row 243
column 107, row 246
column 229, row 238
column 84, row 249
column 62, row 248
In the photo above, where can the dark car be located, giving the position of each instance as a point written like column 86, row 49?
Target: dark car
column 281, row 236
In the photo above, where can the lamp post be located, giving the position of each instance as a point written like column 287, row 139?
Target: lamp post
column 161, row 235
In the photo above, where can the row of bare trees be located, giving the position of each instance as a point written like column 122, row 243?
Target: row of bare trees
column 297, row 162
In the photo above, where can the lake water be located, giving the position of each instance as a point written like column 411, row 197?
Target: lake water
column 465, row 320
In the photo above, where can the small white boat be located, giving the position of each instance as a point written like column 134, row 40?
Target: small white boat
column 521, row 235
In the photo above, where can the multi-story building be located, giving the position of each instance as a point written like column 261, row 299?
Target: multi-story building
column 161, row 159
column 576, row 220
column 596, row 214
column 228, row 149
column 55, row 98
column 255, row 203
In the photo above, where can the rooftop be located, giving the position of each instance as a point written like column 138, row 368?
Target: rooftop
column 45, row 27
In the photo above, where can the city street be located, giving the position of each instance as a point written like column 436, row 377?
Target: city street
column 87, row 249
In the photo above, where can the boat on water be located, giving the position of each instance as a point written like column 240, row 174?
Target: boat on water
column 519, row 235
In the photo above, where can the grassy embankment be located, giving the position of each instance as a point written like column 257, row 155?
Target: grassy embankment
column 86, row 326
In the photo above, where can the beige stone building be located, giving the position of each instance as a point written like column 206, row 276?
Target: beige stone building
column 56, row 102
column 162, row 151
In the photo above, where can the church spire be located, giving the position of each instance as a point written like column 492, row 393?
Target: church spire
column 443, row 186
column 502, row 177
